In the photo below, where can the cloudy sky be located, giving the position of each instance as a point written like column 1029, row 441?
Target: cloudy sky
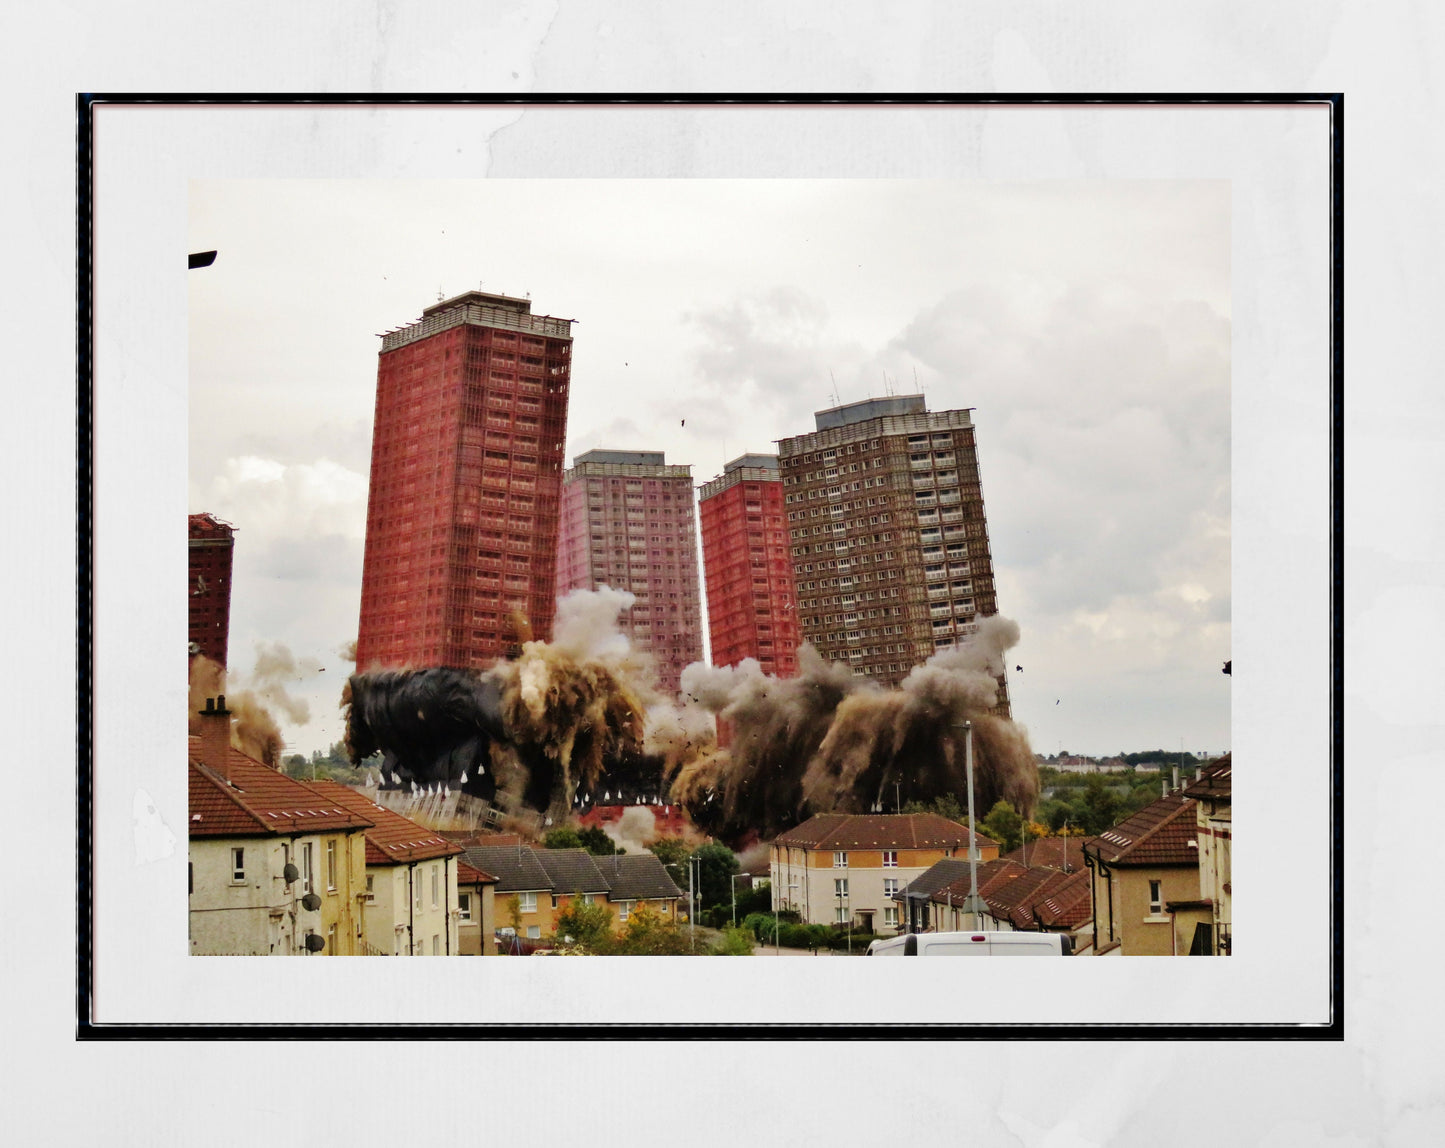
column 1087, row 324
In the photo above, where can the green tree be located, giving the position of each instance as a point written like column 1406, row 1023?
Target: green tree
column 1003, row 825
column 649, row 934
column 716, row 866
column 945, row 805
column 1100, row 805
column 563, row 837
column 588, row 924
column 673, row 852
column 596, row 842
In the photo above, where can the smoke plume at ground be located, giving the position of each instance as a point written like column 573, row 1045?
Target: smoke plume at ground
column 579, row 721
column 828, row 742
column 253, row 698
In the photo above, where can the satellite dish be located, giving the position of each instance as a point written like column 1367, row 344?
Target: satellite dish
column 311, row 902
column 315, row 942
column 290, row 873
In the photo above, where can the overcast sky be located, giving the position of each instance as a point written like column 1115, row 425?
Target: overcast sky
column 1087, row 324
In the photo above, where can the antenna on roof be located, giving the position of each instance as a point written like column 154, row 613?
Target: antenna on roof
column 440, row 294
column 836, row 400
column 916, row 383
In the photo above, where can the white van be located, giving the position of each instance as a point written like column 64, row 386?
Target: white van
column 974, row 945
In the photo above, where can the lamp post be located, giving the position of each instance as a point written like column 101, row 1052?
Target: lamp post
column 735, row 897
column 972, row 905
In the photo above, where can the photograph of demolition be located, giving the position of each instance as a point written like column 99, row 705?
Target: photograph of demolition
column 597, row 709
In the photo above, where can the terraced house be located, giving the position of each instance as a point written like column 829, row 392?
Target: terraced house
column 1137, row 867
column 411, row 881
column 841, row 867
column 277, row 867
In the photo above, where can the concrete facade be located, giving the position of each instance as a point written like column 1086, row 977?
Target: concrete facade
column 888, row 538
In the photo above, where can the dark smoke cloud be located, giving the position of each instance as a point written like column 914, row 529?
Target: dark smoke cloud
column 538, row 732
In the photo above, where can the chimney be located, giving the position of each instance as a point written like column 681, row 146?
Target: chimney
column 1176, row 777
column 216, row 736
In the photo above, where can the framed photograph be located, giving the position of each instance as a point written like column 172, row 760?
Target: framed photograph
column 1132, row 306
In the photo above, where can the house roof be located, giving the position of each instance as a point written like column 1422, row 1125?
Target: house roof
column 392, row 838
column 1164, row 832
column 637, row 877
column 1213, row 783
column 258, row 800
column 991, row 874
column 1051, row 853
column 516, row 867
column 468, row 875
column 1065, row 905
column 571, row 871
column 934, row 878
column 1013, row 900
column 879, row 831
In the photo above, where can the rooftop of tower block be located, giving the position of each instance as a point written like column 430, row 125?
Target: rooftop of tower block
column 482, row 308
column 629, row 463
column 752, row 462
column 859, row 412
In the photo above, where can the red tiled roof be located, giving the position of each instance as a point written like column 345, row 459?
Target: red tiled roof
column 469, row 875
column 1164, row 832
column 1012, row 901
column 991, row 875
column 259, row 800
column 879, row 831
column 1214, row 781
column 1051, row 853
column 1066, row 905
column 392, row 839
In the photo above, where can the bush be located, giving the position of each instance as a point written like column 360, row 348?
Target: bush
column 734, row 943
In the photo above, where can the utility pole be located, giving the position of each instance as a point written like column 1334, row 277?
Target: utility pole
column 973, row 904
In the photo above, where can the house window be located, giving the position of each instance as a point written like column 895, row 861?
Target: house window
column 890, row 887
column 464, row 906
column 534, row 932
column 556, row 900
column 890, row 917
column 840, row 886
column 331, row 864
column 306, row 868
column 416, row 888
column 238, row 866
column 371, row 888
column 840, row 860
column 1156, row 898
column 527, row 902
column 840, row 915
column 434, row 886
column 623, row 908
column 331, row 940
column 436, row 945
column 890, row 859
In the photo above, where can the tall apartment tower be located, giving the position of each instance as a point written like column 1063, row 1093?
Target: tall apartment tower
column 889, row 544
column 751, row 605
column 628, row 523
column 211, row 543
column 466, row 477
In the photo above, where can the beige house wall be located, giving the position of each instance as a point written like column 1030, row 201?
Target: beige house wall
column 402, row 918
column 258, row 915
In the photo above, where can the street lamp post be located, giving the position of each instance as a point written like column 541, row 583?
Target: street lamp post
column 972, row 905
column 735, row 897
